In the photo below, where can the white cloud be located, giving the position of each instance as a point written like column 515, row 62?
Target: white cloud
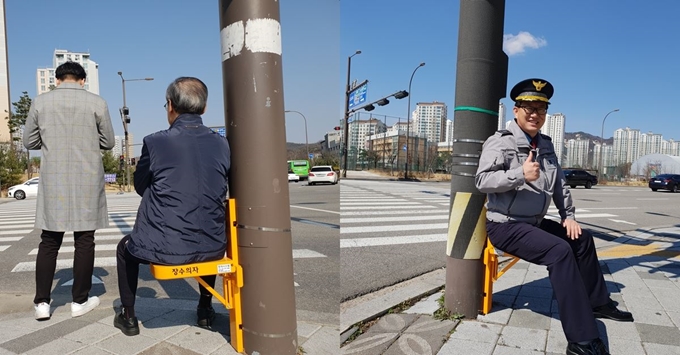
column 516, row 44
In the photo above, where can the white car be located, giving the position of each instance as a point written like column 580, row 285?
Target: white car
column 27, row 189
column 322, row 173
column 293, row 177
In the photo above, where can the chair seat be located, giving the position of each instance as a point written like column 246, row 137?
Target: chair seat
column 169, row 272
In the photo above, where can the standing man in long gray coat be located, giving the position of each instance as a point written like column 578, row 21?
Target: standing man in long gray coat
column 70, row 126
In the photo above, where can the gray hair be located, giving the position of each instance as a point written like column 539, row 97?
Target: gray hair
column 187, row 95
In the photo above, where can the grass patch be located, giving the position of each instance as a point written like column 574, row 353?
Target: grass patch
column 443, row 314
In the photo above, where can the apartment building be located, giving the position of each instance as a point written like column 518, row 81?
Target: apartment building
column 45, row 79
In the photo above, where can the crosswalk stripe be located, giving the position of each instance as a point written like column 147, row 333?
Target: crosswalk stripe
column 380, row 241
column 386, row 207
column 394, row 219
column 65, row 264
column 70, row 249
column 378, row 213
column 306, row 253
column 20, row 231
column 385, row 203
column 4, row 247
column 393, row 228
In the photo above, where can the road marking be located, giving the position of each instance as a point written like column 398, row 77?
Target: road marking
column 620, row 221
column 651, row 199
column 394, row 219
column 10, row 239
column 71, row 249
column 374, row 213
column 20, row 231
column 315, row 223
column 386, row 203
column 306, row 253
column 314, row 209
column 4, row 247
column 583, row 216
column 393, row 228
column 65, row 264
column 380, row 241
column 386, row 207
column 637, row 251
column 17, row 226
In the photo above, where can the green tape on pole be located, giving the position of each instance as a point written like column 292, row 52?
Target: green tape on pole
column 475, row 109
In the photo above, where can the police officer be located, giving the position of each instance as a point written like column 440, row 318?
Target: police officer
column 519, row 172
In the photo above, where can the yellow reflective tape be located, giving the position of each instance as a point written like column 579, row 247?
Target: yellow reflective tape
column 478, row 241
column 460, row 203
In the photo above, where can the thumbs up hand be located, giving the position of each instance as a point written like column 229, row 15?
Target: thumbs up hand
column 531, row 168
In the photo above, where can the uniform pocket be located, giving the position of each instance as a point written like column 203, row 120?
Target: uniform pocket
column 509, row 157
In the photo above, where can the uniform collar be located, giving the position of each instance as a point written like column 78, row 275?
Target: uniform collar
column 187, row 119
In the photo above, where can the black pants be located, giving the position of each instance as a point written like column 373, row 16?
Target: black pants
column 573, row 269
column 46, row 263
column 128, row 275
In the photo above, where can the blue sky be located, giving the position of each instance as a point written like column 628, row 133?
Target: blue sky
column 599, row 55
column 172, row 38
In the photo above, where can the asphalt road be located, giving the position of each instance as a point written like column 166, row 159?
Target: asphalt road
column 314, row 222
column 392, row 231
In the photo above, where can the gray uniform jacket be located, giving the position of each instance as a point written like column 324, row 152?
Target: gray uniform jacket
column 70, row 125
column 501, row 176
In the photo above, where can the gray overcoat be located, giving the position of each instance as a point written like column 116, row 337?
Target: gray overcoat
column 70, row 125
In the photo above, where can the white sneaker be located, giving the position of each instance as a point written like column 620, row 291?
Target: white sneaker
column 42, row 311
column 79, row 309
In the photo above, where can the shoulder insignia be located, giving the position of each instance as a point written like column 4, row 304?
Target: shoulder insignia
column 503, row 132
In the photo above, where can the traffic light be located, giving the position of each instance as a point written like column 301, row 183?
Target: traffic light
column 382, row 102
column 132, row 161
column 401, row 94
column 337, row 128
column 369, row 107
column 121, row 162
column 126, row 111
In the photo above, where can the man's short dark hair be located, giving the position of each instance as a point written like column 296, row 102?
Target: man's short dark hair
column 70, row 70
column 187, row 95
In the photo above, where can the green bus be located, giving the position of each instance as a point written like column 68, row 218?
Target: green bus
column 299, row 168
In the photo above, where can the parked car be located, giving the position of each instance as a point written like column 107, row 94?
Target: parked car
column 579, row 177
column 293, row 177
column 665, row 182
column 27, row 189
column 322, row 173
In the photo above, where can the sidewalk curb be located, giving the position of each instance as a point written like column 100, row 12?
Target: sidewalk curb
column 373, row 305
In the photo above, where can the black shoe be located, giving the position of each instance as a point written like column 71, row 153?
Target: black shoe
column 595, row 347
column 610, row 311
column 205, row 316
column 129, row 326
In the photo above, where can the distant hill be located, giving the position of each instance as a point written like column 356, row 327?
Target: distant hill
column 593, row 139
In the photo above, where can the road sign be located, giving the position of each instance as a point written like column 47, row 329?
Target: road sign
column 110, row 178
column 358, row 95
column 311, row 156
column 404, row 148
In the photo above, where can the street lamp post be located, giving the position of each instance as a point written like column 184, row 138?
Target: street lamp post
column 408, row 119
column 306, row 139
column 345, row 151
column 602, row 143
column 124, row 112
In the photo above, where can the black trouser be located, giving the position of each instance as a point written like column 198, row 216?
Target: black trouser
column 573, row 269
column 46, row 263
column 128, row 275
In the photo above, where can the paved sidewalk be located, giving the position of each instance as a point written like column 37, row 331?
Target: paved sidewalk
column 166, row 328
column 641, row 270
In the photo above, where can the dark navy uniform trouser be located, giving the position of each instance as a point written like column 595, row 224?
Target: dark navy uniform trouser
column 573, row 269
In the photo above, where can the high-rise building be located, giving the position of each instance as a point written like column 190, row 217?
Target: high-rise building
column 501, row 116
column 554, row 127
column 429, row 119
column 626, row 145
column 118, row 148
column 670, row 147
column 45, row 79
column 607, row 156
column 449, row 132
column 650, row 143
column 577, row 153
column 5, row 102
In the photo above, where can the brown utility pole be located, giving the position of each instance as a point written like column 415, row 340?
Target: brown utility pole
column 255, row 124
